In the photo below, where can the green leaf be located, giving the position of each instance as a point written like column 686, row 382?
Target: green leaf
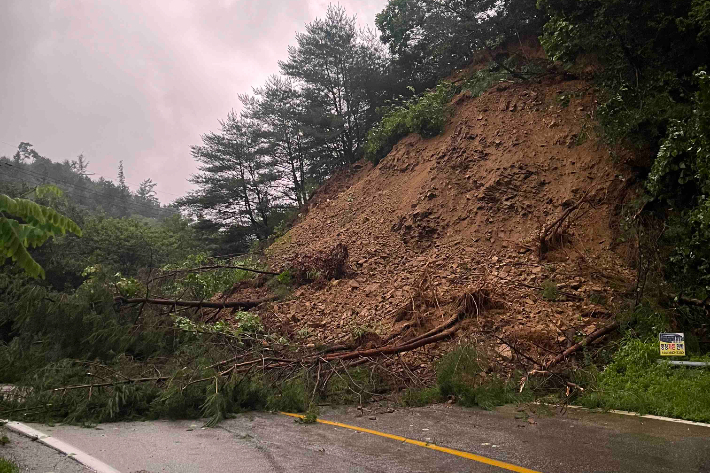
column 12, row 246
column 41, row 223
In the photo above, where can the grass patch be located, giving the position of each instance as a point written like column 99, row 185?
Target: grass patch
column 311, row 417
column 635, row 381
column 418, row 397
column 6, row 466
column 550, row 292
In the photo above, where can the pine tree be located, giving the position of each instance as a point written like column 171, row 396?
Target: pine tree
column 336, row 68
column 124, row 193
column 237, row 186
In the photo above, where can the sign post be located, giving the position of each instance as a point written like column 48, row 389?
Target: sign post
column 672, row 344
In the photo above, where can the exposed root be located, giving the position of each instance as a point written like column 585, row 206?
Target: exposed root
column 556, row 234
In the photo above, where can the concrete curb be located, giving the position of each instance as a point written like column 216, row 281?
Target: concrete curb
column 62, row 447
column 635, row 414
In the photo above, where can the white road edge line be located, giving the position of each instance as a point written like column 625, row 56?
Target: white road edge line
column 62, row 447
column 636, row 414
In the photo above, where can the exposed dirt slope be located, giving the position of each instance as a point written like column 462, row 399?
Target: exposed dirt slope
column 466, row 208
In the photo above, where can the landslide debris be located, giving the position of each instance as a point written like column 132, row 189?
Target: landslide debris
column 439, row 216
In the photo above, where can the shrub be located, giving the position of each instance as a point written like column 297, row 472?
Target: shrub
column 680, row 176
column 425, row 114
column 463, row 374
column 634, row 381
column 418, row 397
column 549, row 291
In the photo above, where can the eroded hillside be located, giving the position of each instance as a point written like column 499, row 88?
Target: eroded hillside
column 464, row 210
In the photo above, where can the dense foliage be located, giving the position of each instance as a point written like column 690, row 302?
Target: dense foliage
column 650, row 58
column 429, row 39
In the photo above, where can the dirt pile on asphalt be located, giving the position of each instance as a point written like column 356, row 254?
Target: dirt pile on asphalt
column 439, row 216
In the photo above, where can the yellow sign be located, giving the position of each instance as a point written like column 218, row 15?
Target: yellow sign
column 672, row 344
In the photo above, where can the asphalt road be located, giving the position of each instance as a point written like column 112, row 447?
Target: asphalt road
column 547, row 442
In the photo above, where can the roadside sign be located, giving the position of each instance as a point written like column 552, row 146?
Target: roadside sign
column 672, row 344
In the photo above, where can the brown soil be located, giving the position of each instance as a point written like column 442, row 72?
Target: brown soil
column 440, row 216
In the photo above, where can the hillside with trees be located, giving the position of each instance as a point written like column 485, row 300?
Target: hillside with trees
column 485, row 201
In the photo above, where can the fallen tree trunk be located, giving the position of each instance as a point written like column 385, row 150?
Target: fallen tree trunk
column 392, row 349
column 211, row 268
column 198, row 304
column 578, row 346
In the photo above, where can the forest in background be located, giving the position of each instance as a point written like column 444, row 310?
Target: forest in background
column 341, row 95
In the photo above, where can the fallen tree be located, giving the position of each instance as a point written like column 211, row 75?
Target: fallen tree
column 211, row 268
column 197, row 304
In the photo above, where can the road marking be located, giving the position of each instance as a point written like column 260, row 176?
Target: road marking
column 62, row 447
column 631, row 414
column 450, row 451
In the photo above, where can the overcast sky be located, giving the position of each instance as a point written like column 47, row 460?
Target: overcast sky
column 139, row 80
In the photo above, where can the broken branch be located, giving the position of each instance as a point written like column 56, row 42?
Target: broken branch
column 578, row 346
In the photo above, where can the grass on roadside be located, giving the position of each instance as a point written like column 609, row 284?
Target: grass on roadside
column 6, row 466
column 635, row 381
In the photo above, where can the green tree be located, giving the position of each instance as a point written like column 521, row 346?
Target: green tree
column 680, row 176
column 429, row 39
column 279, row 108
column 337, row 66
column 651, row 61
column 236, row 186
column 648, row 51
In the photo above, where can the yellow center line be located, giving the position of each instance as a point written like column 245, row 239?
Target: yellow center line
column 450, row 451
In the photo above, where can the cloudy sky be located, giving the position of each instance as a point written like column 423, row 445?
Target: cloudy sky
column 139, row 80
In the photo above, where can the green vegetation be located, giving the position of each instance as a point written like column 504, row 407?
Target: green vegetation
column 464, row 375
column 311, row 417
column 6, row 466
column 680, row 176
column 356, row 385
column 650, row 62
column 40, row 223
column 340, row 96
column 550, row 292
column 636, row 382
column 425, row 114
